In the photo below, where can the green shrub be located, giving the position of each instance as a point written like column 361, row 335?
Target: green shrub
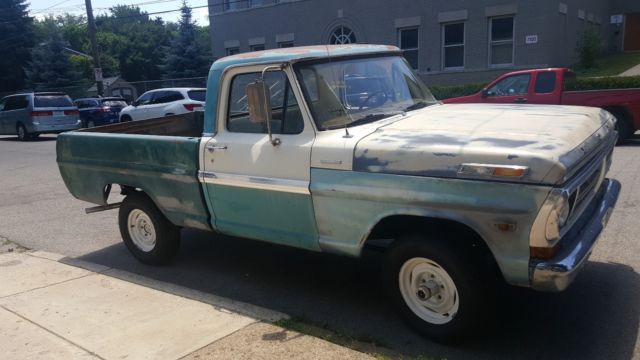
column 601, row 83
column 446, row 92
column 589, row 47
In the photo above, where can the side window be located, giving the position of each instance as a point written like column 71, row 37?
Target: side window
column 16, row 103
column 512, row 85
column 545, row 82
column 286, row 117
column 145, row 99
column 162, row 97
column 2, row 103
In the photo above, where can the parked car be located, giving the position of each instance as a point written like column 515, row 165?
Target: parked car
column 100, row 111
column 547, row 86
column 164, row 102
column 30, row 114
column 457, row 198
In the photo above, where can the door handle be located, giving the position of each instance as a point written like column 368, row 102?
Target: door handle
column 213, row 148
column 520, row 100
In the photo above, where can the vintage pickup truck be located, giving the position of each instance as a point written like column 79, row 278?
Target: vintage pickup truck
column 547, row 86
column 294, row 149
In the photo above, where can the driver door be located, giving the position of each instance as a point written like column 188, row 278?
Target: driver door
column 511, row 89
column 255, row 189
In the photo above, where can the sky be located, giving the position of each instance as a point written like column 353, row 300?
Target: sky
column 41, row 8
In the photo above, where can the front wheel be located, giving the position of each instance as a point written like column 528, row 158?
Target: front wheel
column 439, row 290
column 146, row 232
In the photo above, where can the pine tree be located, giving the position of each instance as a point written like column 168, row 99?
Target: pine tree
column 186, row 57
column 16, row 28
column 50, row 66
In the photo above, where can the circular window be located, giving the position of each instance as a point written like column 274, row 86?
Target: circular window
column 342, row 35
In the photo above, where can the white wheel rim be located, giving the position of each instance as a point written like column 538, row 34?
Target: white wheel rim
column 141, row 230
column 436, row 306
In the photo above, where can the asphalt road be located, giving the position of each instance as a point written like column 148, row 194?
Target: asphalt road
column 596, row 318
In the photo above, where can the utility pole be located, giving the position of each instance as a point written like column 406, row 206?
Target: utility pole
column 91, row 27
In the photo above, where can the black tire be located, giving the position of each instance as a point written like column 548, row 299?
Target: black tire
column 474, row 288
column 125, row 118
column 143, row 213
column 22, row 133
column 623, row 126
column 35, row 136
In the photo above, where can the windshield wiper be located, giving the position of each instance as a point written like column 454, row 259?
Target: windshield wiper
column 418, row 105
column 373, row 117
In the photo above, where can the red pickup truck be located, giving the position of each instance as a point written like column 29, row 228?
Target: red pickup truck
column 546, row 86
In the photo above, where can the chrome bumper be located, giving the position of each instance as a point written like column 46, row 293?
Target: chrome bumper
column 556, row 274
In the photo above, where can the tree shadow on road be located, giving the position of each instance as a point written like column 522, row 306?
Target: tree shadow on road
column 39, row 139
column 596, row 318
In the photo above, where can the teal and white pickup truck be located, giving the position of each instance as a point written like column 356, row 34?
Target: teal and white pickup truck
column 337, row 148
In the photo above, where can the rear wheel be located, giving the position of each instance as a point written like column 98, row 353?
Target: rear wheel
column 90, row 123
column 22, row 133
column 146, row 232
column 441, row 291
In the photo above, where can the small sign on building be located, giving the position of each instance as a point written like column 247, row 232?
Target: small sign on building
column 531, row 39
column 617, row 19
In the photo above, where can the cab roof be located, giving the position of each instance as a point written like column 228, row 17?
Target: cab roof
column 294, row 54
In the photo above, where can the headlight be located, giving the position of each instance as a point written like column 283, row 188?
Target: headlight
column 558, row 215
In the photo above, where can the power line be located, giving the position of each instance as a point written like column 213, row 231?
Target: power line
column 50, row 7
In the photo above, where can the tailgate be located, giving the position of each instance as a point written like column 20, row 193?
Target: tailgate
column 164, row 167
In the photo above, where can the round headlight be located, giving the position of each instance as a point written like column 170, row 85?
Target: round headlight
column 558, row 215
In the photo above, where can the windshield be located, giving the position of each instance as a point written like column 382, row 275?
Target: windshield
column 355, row 91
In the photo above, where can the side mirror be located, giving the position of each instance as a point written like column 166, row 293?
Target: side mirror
column 135, row 103
column 259, row 100
column 485, row 93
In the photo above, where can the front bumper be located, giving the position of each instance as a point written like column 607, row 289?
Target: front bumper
column 556, row 274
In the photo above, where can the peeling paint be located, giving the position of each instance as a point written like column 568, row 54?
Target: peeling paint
column 437, row 140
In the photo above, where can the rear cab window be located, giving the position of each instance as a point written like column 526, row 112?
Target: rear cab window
column 48, row 101
column 197, row 95
column 545, row 82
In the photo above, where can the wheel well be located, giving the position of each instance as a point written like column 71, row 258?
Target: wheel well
column 457, row 234
column 622, row 114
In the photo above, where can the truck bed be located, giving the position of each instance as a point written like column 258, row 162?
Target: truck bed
column 157, row 156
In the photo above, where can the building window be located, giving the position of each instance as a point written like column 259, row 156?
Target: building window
column 408, row 43
column 257, row 47
column 233, row 51
column 501, row 41
column 453, row 46
column 342, row 35
column 285, row 44
column 235, row 4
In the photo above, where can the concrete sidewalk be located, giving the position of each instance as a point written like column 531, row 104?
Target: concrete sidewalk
column 57, row 308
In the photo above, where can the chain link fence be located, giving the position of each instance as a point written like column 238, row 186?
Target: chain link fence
column 128, row 90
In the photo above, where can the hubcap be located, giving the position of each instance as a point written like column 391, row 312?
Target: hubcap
column 141, row 230
column 91, row 124
column 428, row 290
column 21, row 133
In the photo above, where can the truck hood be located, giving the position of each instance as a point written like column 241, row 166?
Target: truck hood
column 551, row 141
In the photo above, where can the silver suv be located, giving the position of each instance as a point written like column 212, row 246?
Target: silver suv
column 31, row 114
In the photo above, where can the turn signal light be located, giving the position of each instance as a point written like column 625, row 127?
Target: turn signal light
column 512, row 172
column 544, row 253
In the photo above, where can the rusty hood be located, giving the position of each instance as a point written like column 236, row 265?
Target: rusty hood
column 550, row 141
